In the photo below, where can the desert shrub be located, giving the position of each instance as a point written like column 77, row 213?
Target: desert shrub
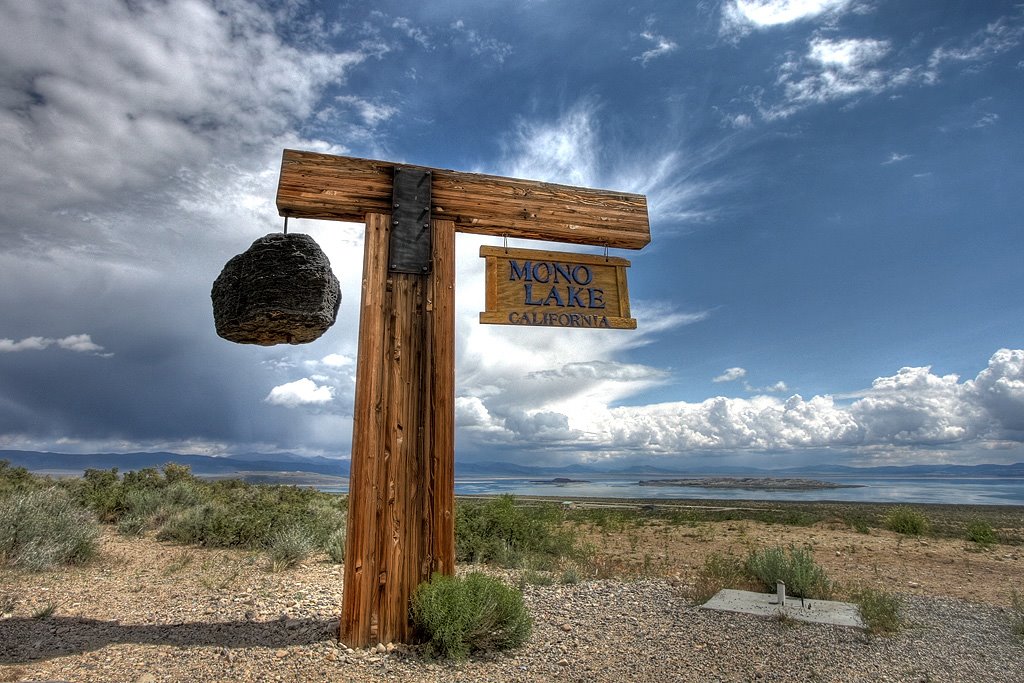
column 1017, row 614
column 148, row 478
column 100, row 491
column 982, row 533
column 879, row 609
column 288, row 547
column 139, row 502
column 16, row 479
column 175, row 473
column 510, row 535
column 45, row 528
column 336, row 544
column 457, row 617
column 570, row 575
column 906, row 520
column 803, row 576
column 182, row 493
column 131, row 525
column 718, row 572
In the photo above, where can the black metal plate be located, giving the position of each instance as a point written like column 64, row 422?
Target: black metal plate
column 409, row 248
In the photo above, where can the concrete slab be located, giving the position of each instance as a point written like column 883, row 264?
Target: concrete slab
column 767, row 605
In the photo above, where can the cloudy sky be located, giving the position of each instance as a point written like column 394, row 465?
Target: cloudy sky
column 836, row 205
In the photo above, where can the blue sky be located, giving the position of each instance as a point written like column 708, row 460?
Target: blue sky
column 835, row 195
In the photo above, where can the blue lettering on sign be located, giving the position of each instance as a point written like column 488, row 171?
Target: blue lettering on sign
column 538, row 319
column 574, row 277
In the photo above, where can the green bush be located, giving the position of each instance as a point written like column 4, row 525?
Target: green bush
column 336, row 544
column 131, row 525
column 718, row 572
column 457, row 617
column 288, row 547
column 906, row 520
column 510, row 535
column 1017, row 614
column 16, row 479
column 982, row 533
column 45, row 528
column 803, row 577
column 879, row 610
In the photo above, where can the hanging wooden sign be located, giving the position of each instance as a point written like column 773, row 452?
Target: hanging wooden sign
column 555, row 289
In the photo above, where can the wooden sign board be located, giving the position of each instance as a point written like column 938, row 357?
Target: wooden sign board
column 555, row 289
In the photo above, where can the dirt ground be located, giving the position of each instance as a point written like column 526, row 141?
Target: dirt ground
column 879, row 559
column 146, row 611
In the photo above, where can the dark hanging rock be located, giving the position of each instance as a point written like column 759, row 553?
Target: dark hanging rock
column 279, row 291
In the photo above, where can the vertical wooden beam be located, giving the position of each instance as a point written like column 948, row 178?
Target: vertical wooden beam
column 367, row 435
column 401, row 490
column 441, row 445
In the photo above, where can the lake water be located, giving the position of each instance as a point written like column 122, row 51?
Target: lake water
column 895, row 490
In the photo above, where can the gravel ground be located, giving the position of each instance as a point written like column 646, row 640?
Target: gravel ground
column 150, row 612
column 594, row 631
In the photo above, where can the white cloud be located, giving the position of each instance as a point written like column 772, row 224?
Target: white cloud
column 731, row 375
column 481, row 45
column 373, row 113
column 337, row 360
column 662, row 46
column 740, row 17
column 912, row 409
column 834, row 69
column 986, row 120
column 81, row 343
column 300, row 392
column 564, row 151
column 1000, row 391
column 107, row 104
column 779, row 387
column 915, row 406
column 895, row 158
column 410, row 30
column 1002, row 35
column 572, row 150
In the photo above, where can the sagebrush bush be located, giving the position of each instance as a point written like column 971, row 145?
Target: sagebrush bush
column 336, row 544
column 44, row 528
column 906, row 520
column 288, row 547
column 718, row 572
column 501, row 532
column 879, row 609
column 131, row 525
column 457, row 617
column 982, row 533
column 803, row 577
column 1017, row 614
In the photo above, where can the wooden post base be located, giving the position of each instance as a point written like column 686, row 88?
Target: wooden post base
column 401, row 518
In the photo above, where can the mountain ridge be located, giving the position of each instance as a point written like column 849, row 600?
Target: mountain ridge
column 206, row 465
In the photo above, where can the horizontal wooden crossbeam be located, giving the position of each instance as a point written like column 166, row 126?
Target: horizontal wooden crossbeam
column 347, row 189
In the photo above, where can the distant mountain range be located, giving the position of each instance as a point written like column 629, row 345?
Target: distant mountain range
column 205, row 465
column 202, row 465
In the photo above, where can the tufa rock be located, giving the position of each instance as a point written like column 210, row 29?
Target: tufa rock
column 279, row 291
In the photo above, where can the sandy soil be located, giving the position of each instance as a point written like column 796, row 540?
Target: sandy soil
column 148, row 611
column 880, row 559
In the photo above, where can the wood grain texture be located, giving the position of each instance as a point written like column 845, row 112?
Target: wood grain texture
column 367, row 433
column 345, row 188
column 440, row 447
column 402, row 488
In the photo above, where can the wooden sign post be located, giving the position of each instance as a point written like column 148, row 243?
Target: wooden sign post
column 401, row 520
